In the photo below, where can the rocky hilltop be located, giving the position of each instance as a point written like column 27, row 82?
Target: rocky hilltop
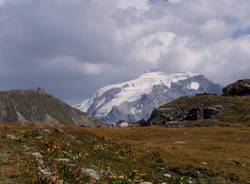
column 134, row 100
column 233, row 106
column 238, row 88
column 36, row 106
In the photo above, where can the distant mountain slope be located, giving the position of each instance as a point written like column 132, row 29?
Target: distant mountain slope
column 136, row 99
column 36, row 106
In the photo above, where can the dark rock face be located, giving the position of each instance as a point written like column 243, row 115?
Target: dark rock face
column 36, row 106
column 142, row 123
column 163, row 116
column 239, row 88
column 193, row 114
column 210, row 112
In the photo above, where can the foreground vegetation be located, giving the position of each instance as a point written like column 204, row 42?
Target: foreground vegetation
column 41, row 155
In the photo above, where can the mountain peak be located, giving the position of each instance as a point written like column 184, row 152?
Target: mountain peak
column 135, row 99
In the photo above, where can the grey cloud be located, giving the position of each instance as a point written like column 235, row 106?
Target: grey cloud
column 72, row 47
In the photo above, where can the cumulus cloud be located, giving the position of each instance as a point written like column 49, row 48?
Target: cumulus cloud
column 72, row 47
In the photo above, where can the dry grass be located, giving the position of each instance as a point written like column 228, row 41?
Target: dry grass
column 218, row 149
column 120, row 152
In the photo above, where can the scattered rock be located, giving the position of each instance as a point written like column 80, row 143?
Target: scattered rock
column 91, row 173
column 204, row 163
column 58, row 130
column 44, row 130
column 45, row 172
column 38, row 156
column 13, row 137
column 39, row 137
column 190, row 181
column 167, row 175
column 63, row 160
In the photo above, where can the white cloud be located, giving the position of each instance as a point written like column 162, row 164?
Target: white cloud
column 152, row 47
column 216, row 29
column 138, row 4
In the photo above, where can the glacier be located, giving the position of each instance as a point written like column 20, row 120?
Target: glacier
column 135, row 99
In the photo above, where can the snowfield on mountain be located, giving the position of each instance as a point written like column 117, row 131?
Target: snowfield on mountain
column 135, row 100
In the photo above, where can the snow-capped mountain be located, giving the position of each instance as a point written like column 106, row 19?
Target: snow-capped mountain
column 135, row 100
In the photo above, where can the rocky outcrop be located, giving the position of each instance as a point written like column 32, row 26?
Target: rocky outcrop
column 239, row 88
column 142, row 123
column 232, row 106
column 211, row 112
column 168, row 115
column 36, row 106
column 221, row 109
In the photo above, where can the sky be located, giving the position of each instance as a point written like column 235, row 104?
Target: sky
column 71, row 48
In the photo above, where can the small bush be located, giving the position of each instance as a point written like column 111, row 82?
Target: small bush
column 183, row 180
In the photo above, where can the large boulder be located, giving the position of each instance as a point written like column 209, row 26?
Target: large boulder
column 239, row 88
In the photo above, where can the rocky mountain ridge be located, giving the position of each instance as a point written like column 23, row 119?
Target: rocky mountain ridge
column 36, row 106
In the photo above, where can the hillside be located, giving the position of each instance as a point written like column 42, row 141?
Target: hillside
column 233, row 109
column 46, row 155
column 36, row 106
column 134, row 100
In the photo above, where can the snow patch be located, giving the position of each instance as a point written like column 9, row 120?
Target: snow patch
column 193, row 86
column 135, row 110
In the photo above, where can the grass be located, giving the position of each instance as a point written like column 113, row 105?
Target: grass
column 219, row 147
column 32, row 154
